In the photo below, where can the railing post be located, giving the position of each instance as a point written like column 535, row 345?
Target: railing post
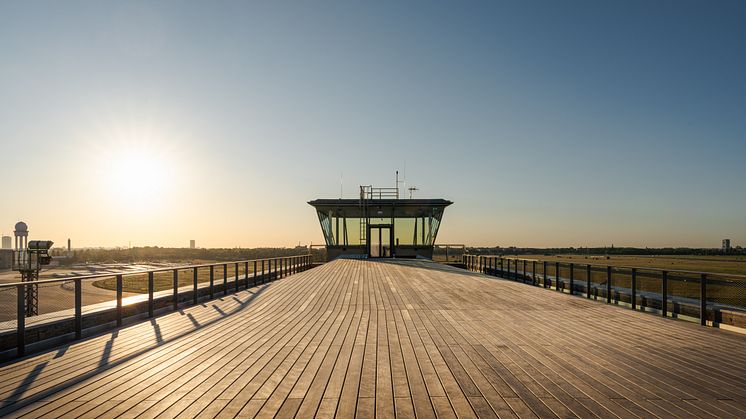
column 151, row 289
column 557, row 276
column 703, row 300
column 254, row 274
column 608, row 284
column 21, row 320
column 264, row 277
column 533, row 272
column 225, row 279
column 588, row 281
column 524, row 271
column 664, row 294
column 572, row 278
column 246, row 275
column 212, row 281
column 235, row 267
column 281, row 270
column 195, row 287
column 176, row 289
column 119, row 300
column 545, row 273
column 78, row 309
column 633, row 298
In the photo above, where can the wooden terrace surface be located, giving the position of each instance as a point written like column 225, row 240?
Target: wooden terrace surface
column 389, row 339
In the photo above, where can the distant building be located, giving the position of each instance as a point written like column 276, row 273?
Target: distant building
column 6, row 258
column 7, row 242
column 192, row 244
column 726, row 246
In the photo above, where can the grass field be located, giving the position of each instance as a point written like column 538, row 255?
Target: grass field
column 735, row 265
column 138, row 283
column 722, row 287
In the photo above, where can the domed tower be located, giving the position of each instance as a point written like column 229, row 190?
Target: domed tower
column 21, row 233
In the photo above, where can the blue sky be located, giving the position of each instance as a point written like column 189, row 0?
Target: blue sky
column 547, row 123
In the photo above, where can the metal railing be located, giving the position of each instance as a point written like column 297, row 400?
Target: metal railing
column 672, row 293
column 448, row 253
column 255, row 272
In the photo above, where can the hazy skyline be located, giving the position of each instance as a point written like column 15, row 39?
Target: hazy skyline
column 547, row 123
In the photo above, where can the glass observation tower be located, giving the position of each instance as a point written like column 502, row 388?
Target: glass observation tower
column 380, row 225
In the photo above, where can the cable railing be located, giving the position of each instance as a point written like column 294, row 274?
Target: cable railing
column 110, row 298
column 711, row 298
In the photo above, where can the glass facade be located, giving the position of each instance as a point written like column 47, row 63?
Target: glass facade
column 343, row 229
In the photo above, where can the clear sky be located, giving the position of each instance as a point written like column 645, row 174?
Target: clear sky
column 555, row 123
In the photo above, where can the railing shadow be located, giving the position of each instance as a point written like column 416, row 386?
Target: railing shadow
column 12, row 402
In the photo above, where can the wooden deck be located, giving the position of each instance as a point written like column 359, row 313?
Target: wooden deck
column 390, row 339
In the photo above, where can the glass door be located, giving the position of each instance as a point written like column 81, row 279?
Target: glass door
column 379, row 240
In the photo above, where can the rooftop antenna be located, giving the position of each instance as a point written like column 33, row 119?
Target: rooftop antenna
column 397, row 184
column 340, row 185
column 411, row 191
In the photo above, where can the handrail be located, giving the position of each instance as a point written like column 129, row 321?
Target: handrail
column 508, row 267
column 143, row 271
column 601, row 265
column 277, row 267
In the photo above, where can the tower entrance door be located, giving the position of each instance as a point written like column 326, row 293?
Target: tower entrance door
column 380, row 239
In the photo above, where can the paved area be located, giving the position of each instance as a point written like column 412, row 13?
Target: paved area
column 389, row 339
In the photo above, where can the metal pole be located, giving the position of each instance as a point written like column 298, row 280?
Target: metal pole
column 533, row 272
column 572, row 278
column 608, row 284
column 281, row 267
column 194, row 292
column 557, row 276
column 119, row 300
column 545, row 273
column 524, row 271
column 254, row 274
column 176, row 289
column 703, row 300
column 263, row 276
column 236, row 269
column 212, row 281
column 664, row 294
column 21, row 320
column 151, row 289
column 588, row 279
column 225, row 279
column 633, row 298
column 78, row 309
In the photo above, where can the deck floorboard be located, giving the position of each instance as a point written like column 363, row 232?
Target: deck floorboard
column 357, row 338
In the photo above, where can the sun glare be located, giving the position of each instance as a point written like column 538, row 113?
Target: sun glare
column 138, row 177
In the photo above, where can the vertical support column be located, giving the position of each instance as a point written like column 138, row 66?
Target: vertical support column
column 176, row 289
column 545, row 273
column 212, row 281
column 557, row 276
column 195, row 287
column 572, row 278
column 664, row 294
column 533, row 272
column 588, row 281
column 703, row 300
column 225, row 279
column 151, row 290
column 21, row 320
column 608, row 284
column 119, row 300
column 633, row 296
column 78, row 309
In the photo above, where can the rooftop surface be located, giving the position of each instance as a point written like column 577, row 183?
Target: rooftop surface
column 390, row 338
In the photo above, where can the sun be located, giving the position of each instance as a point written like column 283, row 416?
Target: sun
column 137, row 177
